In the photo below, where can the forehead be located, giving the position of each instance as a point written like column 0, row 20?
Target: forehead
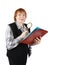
column 21, row 12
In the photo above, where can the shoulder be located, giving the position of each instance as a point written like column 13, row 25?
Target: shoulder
column 11, row 23
column 8, row 27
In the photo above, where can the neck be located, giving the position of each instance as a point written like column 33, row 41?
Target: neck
column 19, row 23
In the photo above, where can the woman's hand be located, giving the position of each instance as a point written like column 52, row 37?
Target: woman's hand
column 24, row 34
column 37, row 41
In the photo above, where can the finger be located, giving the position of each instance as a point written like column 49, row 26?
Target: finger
column 37, row 41
column 37, row 38
column 40, row 37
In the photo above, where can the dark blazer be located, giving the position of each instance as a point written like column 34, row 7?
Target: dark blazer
column 16, row 33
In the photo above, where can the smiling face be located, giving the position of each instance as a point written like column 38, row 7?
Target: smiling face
column 20, row 17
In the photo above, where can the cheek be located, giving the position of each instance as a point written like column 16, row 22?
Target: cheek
column 17, row 17
column 24, row 17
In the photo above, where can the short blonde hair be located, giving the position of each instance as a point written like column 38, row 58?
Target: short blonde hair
column 19, row 10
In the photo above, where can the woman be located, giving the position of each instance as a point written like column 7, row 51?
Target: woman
column 16, row 31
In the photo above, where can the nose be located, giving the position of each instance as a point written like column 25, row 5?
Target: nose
column 21, row 16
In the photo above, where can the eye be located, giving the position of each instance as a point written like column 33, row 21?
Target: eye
column 23, row 15
column 19, row 14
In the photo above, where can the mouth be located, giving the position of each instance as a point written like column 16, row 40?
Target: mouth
column 21, row 19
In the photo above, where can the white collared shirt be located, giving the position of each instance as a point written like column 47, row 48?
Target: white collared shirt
column 10, row 41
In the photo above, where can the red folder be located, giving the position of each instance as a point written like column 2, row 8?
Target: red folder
column 37, row 32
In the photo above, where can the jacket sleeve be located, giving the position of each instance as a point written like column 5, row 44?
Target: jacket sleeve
column 10, row 41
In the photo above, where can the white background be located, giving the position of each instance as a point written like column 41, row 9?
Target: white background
column 42, row 13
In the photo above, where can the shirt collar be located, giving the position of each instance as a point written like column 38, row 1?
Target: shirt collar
column 18, row 25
